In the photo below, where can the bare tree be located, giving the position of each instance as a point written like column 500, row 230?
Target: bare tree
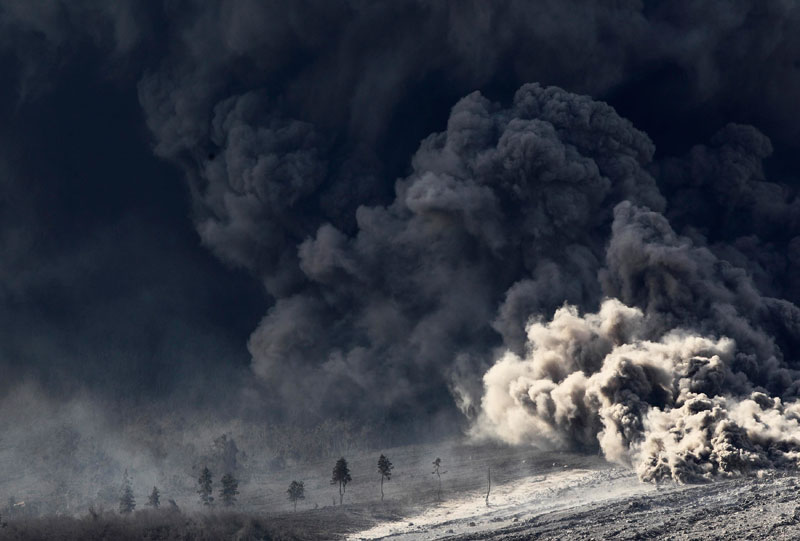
column 437, row 471
column 296, row 491
column 489, row 487
column 341, row 476
column 385, row 467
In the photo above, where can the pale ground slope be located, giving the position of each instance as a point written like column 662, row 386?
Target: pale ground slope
column 610, row 503
column 511, row 502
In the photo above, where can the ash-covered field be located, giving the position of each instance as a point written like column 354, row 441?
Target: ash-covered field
column 608, row 504
column 583, row 499
column 751, row 507
column 534, row 495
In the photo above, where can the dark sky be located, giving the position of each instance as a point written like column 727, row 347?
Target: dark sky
column 198, row 196
column 105, row 283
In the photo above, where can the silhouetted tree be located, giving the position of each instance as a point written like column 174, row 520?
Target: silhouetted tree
column 154, row 500
column 205, row 487
column 341, row 476
column 385, row 467
column 229, row 490
column 296, row 491
column 127, row 503
column 437, row 471
column 489, row 484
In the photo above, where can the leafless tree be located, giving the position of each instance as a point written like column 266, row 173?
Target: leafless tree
column 437, row 471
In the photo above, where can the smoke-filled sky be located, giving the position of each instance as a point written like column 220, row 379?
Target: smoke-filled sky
column 562, row 223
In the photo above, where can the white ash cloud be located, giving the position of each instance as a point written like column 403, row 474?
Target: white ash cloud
column 686, row 381
column 661, row 406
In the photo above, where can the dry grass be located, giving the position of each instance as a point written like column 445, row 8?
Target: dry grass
column 150, row 525
column 325, row 523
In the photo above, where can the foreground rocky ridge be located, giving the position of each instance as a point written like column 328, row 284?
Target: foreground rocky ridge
column 765, row 506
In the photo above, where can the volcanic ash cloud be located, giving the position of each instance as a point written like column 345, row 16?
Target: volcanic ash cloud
column 659, row 405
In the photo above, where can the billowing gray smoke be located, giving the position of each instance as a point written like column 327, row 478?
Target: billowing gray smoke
column 392, row 305
column 396, row 284
column 680, row 374
column 292, row 124
column 504, row 215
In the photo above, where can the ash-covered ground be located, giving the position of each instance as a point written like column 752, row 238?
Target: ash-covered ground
column 607, row 504
column 534, row 495
column 591, row 500
column 751, row 507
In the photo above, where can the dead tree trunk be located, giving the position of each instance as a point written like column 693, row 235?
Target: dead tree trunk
column 489, row 488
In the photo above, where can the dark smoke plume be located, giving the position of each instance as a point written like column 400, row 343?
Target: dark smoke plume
column 427, row 244
column 402, row 297
column 409, row 296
